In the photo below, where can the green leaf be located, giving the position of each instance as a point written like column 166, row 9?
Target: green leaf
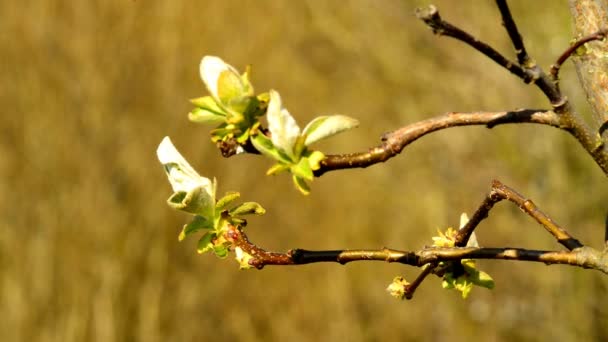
column 277, row 168
column 197, row 201
column 205, row 243
column 221, row 133
column 461, row 284
column 301, row 185
column 247, row 208
column 220, row 251
column 208, row 103
column 204, row 116
column 243, row 137
column 265, row 146
column 225, row 201
column 237, row 107
column 476, row 276
column 302, row 169
column 326, row 126
column 230, row 86
column 197, row 223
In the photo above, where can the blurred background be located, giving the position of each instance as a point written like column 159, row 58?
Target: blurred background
column 88, row 246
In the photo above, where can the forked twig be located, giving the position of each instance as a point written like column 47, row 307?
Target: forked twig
column 430, row 257
column 501, row 192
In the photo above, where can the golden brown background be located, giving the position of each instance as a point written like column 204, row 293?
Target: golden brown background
column 88, row 247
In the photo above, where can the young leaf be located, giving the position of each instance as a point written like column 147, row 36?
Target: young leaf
column 205, row 116
column 283, row 127
column 326, row 126
column 302, row 169
column 205, row 243
column 265, row 146
column 181, row 175
column 225, row 201
column 247, row 208
column 277, row 168
column 461, row 284
column 193, row 193
column 197, row 223
column 220, row 251
column 301, row 185
column 196, row 201
column 477, row 277
column 212, row 69
column 230, row 86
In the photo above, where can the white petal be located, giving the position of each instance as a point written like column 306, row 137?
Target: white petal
column 181, row 175
column 211, row 68
column 283, row 127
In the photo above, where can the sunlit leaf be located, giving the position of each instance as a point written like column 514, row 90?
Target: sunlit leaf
column 205, row 243
column 267, row 148
column 301, row 185
column 181, row 175
column 214, row 71
column 197, row 201
column 247, row 208
column 277, row 168
column 326, row 126
column 197, row 223
column 302, row 169
column 204, row 116
column 225, row 201
column 221, row 251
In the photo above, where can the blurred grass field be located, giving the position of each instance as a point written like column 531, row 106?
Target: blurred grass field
column 88, row 247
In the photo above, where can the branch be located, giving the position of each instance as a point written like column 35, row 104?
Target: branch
column 430, row 15
column 594, row 80
column 599, row 35
column 584, row 257
column 501, row 192
column 509, row 24
column 528, row 72
column 394, row 142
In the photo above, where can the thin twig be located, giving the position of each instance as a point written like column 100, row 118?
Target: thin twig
column 509, row 24
column 413, row 286
column 570, row 120
column 394, row 142
column 430, row 15
column 501, row 192
column 528, row 72
column 599, row 35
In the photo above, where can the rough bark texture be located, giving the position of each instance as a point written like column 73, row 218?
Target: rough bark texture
column 592, row 63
